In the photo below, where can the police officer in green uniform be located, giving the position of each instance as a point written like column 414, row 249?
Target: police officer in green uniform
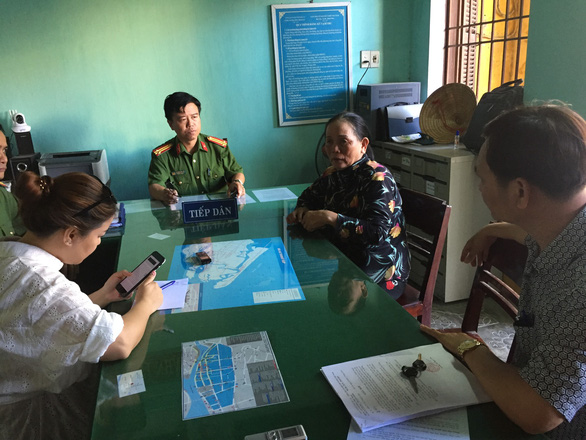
column 191, row 162
column 10, row 223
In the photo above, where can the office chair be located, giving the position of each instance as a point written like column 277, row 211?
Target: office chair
column 426, row 219
column 508, row 257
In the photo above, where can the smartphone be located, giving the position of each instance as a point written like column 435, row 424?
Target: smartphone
column 203, row 258
column 129, row 284
column 291, row 433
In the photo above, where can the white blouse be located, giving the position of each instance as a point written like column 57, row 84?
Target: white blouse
column 49, row 328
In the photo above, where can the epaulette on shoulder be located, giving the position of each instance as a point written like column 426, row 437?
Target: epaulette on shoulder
column 221, row 142
column 162, row 148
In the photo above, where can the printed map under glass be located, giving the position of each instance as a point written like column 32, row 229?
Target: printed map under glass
column 230, row 374
column 241, row 273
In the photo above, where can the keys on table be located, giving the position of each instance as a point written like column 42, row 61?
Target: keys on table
column 414, row 371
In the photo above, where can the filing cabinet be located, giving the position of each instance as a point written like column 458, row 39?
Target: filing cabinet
column 446, row 173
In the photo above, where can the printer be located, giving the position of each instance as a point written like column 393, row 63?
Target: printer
column 92, row 162
column 401, row 120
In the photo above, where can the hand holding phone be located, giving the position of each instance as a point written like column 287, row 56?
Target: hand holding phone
column 129, row 284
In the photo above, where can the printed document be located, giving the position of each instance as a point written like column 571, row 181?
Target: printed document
column 449, row 425
column 376, row 393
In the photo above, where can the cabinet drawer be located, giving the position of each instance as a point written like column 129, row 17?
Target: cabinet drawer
column 405, row 178
column 418, row 165
column 387, row 157
column 405, row 161
column 430, row 186
column 428, row 167
column 437, row 189
column 438, row 170
column 396, row 172
column 418, row 183
column 380, row 155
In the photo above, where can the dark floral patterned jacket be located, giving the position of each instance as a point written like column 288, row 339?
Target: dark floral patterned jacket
column 370, row 229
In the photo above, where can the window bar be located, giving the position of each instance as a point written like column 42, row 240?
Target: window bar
column 505, row 41
column 472, row 40
column 447, row 43
column 460, row 51
column 521, row 9
column 465, row 40
column 480, row 47
column 491, row 46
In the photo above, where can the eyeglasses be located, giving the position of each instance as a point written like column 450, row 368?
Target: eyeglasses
column 108, row 197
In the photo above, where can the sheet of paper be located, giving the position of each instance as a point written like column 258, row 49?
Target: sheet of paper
column 173, row 295
column 376, row 394
column 157, row 236
column 276, row 296
column 273, row 194
column 130, row 383
column 449, row 425
column 196, row 198
column 243, row 200
column 155, row 204
column 133, row 206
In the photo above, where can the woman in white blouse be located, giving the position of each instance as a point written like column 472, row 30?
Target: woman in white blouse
column 51, row 333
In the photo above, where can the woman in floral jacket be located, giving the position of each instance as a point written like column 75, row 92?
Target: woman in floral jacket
column 357, row 205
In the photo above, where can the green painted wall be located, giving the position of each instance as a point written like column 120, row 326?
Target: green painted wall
column 93, row 75
column 556, row 51
column 90, row 75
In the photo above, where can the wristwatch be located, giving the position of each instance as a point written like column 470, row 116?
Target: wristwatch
column 238, row 180
column 468, row 345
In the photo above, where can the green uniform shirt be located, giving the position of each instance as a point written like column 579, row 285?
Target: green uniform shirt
column 10, row 223
column 207, row 170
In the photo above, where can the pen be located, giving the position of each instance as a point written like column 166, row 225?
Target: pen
column 164, row 286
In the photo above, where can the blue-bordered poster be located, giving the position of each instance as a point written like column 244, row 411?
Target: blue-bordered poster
column 312, row 61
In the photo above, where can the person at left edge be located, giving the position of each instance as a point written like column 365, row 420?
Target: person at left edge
column 191, row 162
column 10, row 223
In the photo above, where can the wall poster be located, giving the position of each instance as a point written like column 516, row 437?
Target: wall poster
column 312, row 52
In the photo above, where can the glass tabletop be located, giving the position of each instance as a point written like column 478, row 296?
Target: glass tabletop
column 335, row 323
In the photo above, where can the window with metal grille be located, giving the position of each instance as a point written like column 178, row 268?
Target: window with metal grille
column 486, row 42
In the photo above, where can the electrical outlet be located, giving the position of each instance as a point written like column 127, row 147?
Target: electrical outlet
column 364, row 59
column 374, row 58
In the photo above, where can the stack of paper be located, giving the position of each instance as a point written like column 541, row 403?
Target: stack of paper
column 376, row 394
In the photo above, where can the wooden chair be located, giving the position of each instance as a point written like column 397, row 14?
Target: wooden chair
column 426, row 219
column 508, row 257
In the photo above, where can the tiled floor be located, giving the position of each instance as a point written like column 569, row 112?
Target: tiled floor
column 495, row 327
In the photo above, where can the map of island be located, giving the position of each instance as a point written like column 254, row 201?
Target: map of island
column 230, row 374
column 241, row 273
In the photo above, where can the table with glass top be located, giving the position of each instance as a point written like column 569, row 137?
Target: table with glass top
column 326, row 328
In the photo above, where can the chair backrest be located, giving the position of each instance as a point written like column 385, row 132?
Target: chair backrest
column 508, row 257
column 426, row 219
